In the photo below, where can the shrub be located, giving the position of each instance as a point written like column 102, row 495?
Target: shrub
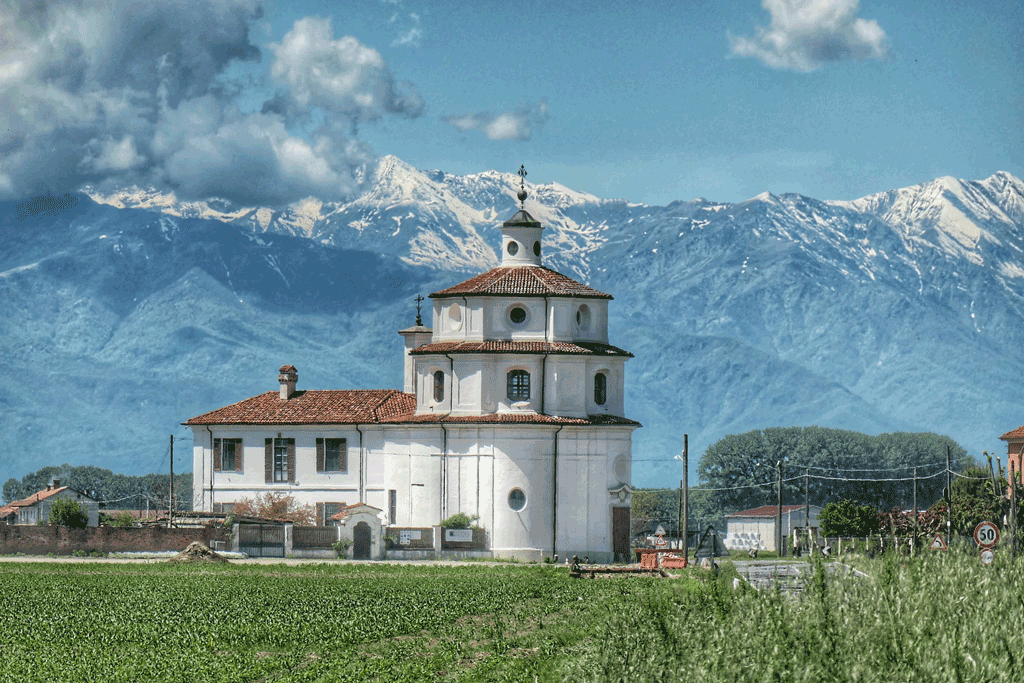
column 122, row 520
column 846, row 518
column 70, row 513
column 459, row 520
column 341, row 547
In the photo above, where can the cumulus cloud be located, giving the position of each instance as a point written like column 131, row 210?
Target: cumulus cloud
column 806, row 34
column 111, row 93
column 519, row 124
column 341, row 75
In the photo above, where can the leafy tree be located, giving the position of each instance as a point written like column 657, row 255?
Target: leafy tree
column 975, row 501
column 124, row 491
column 121, row 520
column 846, row 518
column 745, row 466
column 11, row 490
column 68, row 512
column 273, row 505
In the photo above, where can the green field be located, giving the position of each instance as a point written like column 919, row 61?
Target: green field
column 943, row 618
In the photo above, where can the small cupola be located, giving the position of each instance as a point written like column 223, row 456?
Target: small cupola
column 520, row 235
column 288, row 376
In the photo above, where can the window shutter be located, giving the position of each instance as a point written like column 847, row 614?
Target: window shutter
column 268, row 453
column 319, row 454
column 216, row 455
column 343, row 449
column 291, row 460
column 238, row 455
column 320, row 513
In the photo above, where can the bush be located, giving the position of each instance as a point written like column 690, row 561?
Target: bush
column 848, row 519
column 459, row 521
column 69, row 513
column 122, row 520
column 341, row 547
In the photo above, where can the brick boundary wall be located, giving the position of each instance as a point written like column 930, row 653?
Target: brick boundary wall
column 43, row 540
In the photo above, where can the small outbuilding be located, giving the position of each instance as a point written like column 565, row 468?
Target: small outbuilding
column 360, row 525
column 755, row 528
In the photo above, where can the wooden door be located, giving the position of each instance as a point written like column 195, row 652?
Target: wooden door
column 620, row 534
column 361, row 541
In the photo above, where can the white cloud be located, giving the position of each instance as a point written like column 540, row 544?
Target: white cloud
column 408, row 38
column 341, row 75
column 806, row 34
column 110, row 93
column 519, row 124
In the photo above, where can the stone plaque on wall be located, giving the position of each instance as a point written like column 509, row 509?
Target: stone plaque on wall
column 459, row 535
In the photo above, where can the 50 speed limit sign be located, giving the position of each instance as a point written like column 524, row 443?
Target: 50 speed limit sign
column 986, row 534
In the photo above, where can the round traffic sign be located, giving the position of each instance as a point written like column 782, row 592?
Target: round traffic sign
column 986, row 534
column 987, row 556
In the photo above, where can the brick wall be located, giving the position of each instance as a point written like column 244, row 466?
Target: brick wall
column 43, row 540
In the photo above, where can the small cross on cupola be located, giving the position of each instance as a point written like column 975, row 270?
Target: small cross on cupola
column 520, row 242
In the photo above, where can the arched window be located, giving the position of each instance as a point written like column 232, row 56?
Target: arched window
column 438, row 386
column 519, row 385
column 600, row 388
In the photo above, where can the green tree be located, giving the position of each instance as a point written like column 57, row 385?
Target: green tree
column 69, row 512
column 846, row 518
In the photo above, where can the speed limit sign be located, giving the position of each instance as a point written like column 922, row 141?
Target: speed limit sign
column 986, row 534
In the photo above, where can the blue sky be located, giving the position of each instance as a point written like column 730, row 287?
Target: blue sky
column 647, row 101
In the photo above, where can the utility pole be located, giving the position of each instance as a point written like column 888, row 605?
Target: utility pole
column 949, row 499
column 686, row 495
column 807, row 504
column 914, row 541
column 778, row 516
column 170, row 488
column 1013, row 506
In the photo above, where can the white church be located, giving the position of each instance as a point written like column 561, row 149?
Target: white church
column 512, row 411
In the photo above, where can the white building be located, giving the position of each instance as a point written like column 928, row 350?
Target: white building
column 512, row 411
column 755, row 528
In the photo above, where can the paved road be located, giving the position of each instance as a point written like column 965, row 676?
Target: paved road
column 789, row 576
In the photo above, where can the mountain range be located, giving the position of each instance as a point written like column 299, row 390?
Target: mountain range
column 124, row 314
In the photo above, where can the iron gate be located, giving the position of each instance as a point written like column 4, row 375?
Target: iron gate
column 261, row 540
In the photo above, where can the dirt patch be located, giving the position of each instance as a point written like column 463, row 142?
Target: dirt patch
column 197, row 552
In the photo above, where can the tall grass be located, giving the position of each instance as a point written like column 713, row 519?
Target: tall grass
column 939, row 617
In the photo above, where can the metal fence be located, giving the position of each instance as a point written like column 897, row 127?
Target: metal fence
column 308, row 537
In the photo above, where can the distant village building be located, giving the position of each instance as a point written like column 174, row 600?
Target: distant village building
column 512, row 411
column 755, row 528
column 1014, row 448
column 36, row 508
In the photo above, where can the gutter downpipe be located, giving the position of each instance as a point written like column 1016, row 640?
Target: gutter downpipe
column 544, row 364
column 554, row 496
column 211, row 465
column 361, row 500
column 444, row 441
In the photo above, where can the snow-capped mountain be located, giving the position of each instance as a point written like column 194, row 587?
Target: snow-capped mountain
column 898, row 311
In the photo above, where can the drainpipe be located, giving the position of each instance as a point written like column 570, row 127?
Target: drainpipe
column 211, row 466
column 360, row 464
column 444, row 447
column 544, row 364
column 554, row 496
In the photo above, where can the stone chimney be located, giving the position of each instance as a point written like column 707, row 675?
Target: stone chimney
column 287, row 376
column 56, row 483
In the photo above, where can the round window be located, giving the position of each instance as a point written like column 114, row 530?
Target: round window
column 536, row 248
column 517, row 315
column 516, row 499
column 513, row 248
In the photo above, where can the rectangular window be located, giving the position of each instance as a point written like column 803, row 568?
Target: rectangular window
column 392, row 506
column 331, row 509
column 280, row 460
column 335, row 455
column 224, row 508
column 227, row 455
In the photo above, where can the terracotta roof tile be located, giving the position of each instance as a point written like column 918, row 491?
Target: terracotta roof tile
column 37, row 496
column 522, row 280
column 569, row 348
column 313, row 407
column 765, row 511
column 1014, row 434
column 345, row 511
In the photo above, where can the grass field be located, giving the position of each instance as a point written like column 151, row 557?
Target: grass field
column 940, row 618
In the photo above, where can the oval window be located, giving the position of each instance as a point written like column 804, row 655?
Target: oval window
column 536, row 248
column 455, row 316
column 516, row 499
column 513, row 248
column 583, row 317
column 517, row 315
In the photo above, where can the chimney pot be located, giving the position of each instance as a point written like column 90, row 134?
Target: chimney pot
column 56, row 483
column 287, row 376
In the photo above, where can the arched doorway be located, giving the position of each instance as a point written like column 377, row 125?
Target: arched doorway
column 361, row 541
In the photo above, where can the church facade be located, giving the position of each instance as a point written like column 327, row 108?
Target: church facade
column 512, row 411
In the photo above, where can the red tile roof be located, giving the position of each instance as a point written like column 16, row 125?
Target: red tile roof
column 8, row 510
column 521, row 281
column 313, row 407
column 36, row 497
column 766, row 511
column 569, row 348
column 1014, row 434
column 347, row 510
